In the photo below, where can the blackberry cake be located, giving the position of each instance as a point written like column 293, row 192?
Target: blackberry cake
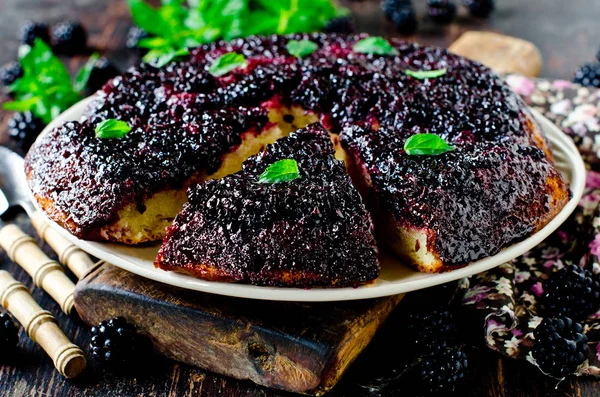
column 310, row 231
column 190, row 124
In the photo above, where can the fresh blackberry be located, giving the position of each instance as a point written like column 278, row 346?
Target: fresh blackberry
column 9, row 334
column 69, row 38
column 135, row 35
column 402, row 13
column 114, row 343
column 340, row 25
column 23, row 128
column 425, row 330
column 10, row 72
column 560, row 346
column 571, row 291
column 103, row 71
column 31, row 30
column 588, row 75
column 441, row 11
column 480, row 8
column 442, row 369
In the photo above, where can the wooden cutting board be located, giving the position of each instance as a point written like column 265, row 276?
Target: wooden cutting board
column 298, row 347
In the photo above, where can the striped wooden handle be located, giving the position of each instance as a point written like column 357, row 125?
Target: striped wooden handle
column 69, row 254
column 46, row 273
column 41, row 326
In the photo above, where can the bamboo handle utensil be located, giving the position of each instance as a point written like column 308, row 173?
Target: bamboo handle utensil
column 41, row 327
column 46, row 273
column 69, row 254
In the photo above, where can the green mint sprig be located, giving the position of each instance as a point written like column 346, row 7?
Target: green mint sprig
column 179, row 24
column 374, row 45
column 226, row 63
column 426, row 145
column 301, row 48
column 280, row 171
column 425, row 74
column 45, row 89
column 112, row 129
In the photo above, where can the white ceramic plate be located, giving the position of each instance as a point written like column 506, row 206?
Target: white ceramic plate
column 395, row 277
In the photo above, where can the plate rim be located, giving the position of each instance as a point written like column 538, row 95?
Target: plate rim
column 331, row 294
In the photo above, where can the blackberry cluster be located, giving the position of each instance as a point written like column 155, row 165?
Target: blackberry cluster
column 340, row 25
column 114, row 343
column 441, row 11
column 425, row 330
column 69, row 38
column 402, row 13
column 23, row 129
column 442, row 370
column 103, row 71
column 9, row 334
column 480, row 8
column 32, row 30
column 588, row 75
column 10, row 72
column 560, row 346
column 571, row 291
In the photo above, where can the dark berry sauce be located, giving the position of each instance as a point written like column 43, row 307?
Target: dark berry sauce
column 310, row 231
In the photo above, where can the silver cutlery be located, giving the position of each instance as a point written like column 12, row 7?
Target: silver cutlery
column 22, row 249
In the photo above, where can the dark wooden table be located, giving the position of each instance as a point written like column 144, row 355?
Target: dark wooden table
column 568, row 34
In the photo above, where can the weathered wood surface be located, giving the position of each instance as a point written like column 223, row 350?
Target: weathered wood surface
column 567, row 35
column 297, row 347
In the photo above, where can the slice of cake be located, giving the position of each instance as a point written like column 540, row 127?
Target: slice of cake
column 440, row 212
column 291, row 217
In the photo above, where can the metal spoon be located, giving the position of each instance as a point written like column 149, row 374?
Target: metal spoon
column 22, row 249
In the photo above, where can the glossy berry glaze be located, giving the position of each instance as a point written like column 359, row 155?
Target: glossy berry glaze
column 310, row 231
column 185, row 121
column 471, row 202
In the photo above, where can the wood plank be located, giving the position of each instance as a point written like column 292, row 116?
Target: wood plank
column 298, row 347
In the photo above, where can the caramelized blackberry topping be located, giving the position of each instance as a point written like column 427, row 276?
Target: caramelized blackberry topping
column 306, row 232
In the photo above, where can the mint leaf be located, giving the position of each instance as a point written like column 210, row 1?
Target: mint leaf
column 148, row 18
column 226, row 63
column 280, row 171
column 301, row 48
column 158, row 58
column 425, row 74
column 85, row 72
column 426, row 145
column 45, row 87
column 112, row 129
column 374, row 45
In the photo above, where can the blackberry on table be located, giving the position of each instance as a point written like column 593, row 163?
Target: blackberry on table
column 69, row 38
column 23, row 129
column 560, row 346
column 588, row 75
column 402, row 14
column 442, row 370
column 10, row 72
column 135, row 35
column 9, row 334
column 340, row 25
column 480, row 8
column 441, row 11
column 31, row 30
column 427, row 329
column 571, row 291
column 114, row 343
column 103, row 71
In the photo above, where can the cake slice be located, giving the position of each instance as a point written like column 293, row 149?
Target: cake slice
column 440, row 212
column 306, row 229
